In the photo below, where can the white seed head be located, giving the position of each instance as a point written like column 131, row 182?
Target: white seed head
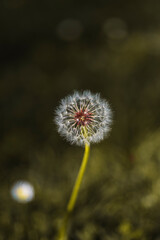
column 83, row 117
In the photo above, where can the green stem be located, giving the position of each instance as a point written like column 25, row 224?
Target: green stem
column 75, row 191
column 63, row 230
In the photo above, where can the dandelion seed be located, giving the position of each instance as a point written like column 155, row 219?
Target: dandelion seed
column 22, row 191
column 83, row 117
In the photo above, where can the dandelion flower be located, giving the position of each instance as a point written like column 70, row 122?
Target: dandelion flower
column 83, row 117
column 22, row 191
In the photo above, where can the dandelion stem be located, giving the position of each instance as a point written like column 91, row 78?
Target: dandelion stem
column 63, row 230
column 76, row 187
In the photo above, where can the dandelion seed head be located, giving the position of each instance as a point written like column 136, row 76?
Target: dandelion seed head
column 83, row 117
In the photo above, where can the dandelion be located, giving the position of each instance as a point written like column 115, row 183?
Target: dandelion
column 22, row 191
column 82, row 118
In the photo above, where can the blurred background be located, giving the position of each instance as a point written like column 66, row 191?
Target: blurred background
column 48, row 49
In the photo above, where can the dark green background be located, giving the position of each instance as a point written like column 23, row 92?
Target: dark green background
column 120, row 194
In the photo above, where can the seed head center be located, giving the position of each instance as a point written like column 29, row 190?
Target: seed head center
column 83, row 118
